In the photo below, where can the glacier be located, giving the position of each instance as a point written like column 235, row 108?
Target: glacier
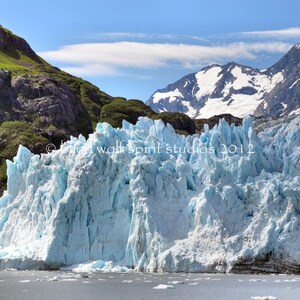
column 151, row 200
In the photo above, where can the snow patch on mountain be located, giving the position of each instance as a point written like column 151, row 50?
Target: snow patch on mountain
column 295, row 112
column 240, row 106
column 258, row 80
column 242, row 79
column 298, row 80
column 207, row 81
column 206, row 202
column 172, row 96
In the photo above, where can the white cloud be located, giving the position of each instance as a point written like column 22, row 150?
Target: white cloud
column 112, row 58
column 92, row 70
column 287, row 33
column 125, row 36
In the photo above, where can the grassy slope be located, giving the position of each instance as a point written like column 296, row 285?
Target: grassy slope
column 28, row 134
column 98, row 106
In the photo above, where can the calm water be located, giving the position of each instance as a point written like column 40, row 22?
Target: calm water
column 32, row 285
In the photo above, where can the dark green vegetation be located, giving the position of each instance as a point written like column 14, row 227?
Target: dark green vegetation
column 121, row 109
column 180, row 121
column 40, row 104
column 211, row 122
column 13, row 134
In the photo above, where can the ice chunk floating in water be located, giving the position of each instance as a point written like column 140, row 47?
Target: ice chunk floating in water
column 148, row 198
column 163, row 287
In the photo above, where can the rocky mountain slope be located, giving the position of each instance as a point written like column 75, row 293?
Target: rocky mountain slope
column 40, row 104
column 235, row 89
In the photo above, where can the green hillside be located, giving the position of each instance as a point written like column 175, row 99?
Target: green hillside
column 40, row 104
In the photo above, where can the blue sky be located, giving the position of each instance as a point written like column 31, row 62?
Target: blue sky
column 131, row 48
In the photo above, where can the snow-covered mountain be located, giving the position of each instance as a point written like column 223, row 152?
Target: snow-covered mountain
column 150, row 199
column 235, row 89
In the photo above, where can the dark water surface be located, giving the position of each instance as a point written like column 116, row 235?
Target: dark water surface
column 40, row 285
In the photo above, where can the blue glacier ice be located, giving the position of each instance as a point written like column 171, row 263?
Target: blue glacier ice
column 152, row 200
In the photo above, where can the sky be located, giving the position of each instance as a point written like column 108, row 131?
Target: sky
column 132, row 48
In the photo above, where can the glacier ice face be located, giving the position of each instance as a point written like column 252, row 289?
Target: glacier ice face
column 157, row 201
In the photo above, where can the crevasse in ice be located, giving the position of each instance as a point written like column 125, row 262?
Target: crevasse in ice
column 157, row 201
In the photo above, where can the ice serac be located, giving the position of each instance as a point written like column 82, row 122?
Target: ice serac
column 153, row 200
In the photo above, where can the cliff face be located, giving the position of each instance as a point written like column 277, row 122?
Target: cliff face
column 42, row 101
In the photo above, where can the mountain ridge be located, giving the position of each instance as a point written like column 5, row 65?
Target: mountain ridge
column 12, row 42
column 235, row 89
